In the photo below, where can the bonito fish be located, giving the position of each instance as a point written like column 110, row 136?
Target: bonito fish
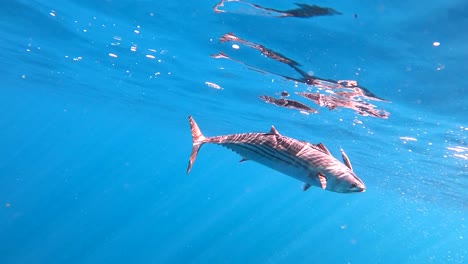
column 310, row 163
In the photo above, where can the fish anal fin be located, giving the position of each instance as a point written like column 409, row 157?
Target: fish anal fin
column 323, row 148
column 273, row 131
column 346, row 159
column 305, row 186
column 323, row 180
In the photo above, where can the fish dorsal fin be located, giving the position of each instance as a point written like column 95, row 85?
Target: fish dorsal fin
column 346, row 159
column 323, row 180
column 323, row 148
column 305, row 186
column 273, row 131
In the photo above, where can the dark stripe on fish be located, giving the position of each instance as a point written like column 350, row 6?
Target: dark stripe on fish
column 264, row 152
column 267, row 151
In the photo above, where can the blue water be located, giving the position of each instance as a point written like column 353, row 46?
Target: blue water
column 94, row 138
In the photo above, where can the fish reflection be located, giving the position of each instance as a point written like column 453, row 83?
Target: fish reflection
column 287, row 103
column 301, row 11
column 338, row 93
column 333, row 101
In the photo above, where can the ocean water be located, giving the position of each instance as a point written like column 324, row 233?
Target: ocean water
column 94, row 137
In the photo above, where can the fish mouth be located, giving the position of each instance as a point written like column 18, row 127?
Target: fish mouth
column 359, row 189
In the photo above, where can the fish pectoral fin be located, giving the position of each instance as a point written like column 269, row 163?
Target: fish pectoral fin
column 243, row 160
column 346, row 159
column 323, row 180
column 305, row 186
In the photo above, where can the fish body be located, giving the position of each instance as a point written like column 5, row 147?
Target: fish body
column 309, row 163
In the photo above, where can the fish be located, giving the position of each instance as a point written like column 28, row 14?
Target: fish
column 312, row 164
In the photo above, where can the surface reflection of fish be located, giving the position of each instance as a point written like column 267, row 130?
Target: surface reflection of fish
column 340, row 100
column 287, row 103
column 302, row 11
column 309, row 163
column 342, row 93
column 305, row 10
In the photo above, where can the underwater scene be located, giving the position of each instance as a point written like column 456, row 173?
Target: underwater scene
column 233, row 131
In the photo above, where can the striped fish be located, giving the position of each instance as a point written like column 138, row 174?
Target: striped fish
column 310, row 163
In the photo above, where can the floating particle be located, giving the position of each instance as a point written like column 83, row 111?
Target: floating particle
column 461, row 156
column 284, row 93
column 52, row 13
column 133, row 48
column 357, row 121
column 136, row 31
column 458, row 149
column 408, row 139
column 213, row 85
column 149, row 56
column 7, row 205
column 235, row 46
column 454, row 149
column 436, row 44
column 112, row 55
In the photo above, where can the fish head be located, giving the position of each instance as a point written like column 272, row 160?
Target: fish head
column 356, row 185
column 345, row 182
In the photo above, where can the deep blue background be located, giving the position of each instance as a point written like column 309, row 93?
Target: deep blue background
column 93, row 149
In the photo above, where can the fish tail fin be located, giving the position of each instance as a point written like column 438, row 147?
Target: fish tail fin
column 197, row 141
